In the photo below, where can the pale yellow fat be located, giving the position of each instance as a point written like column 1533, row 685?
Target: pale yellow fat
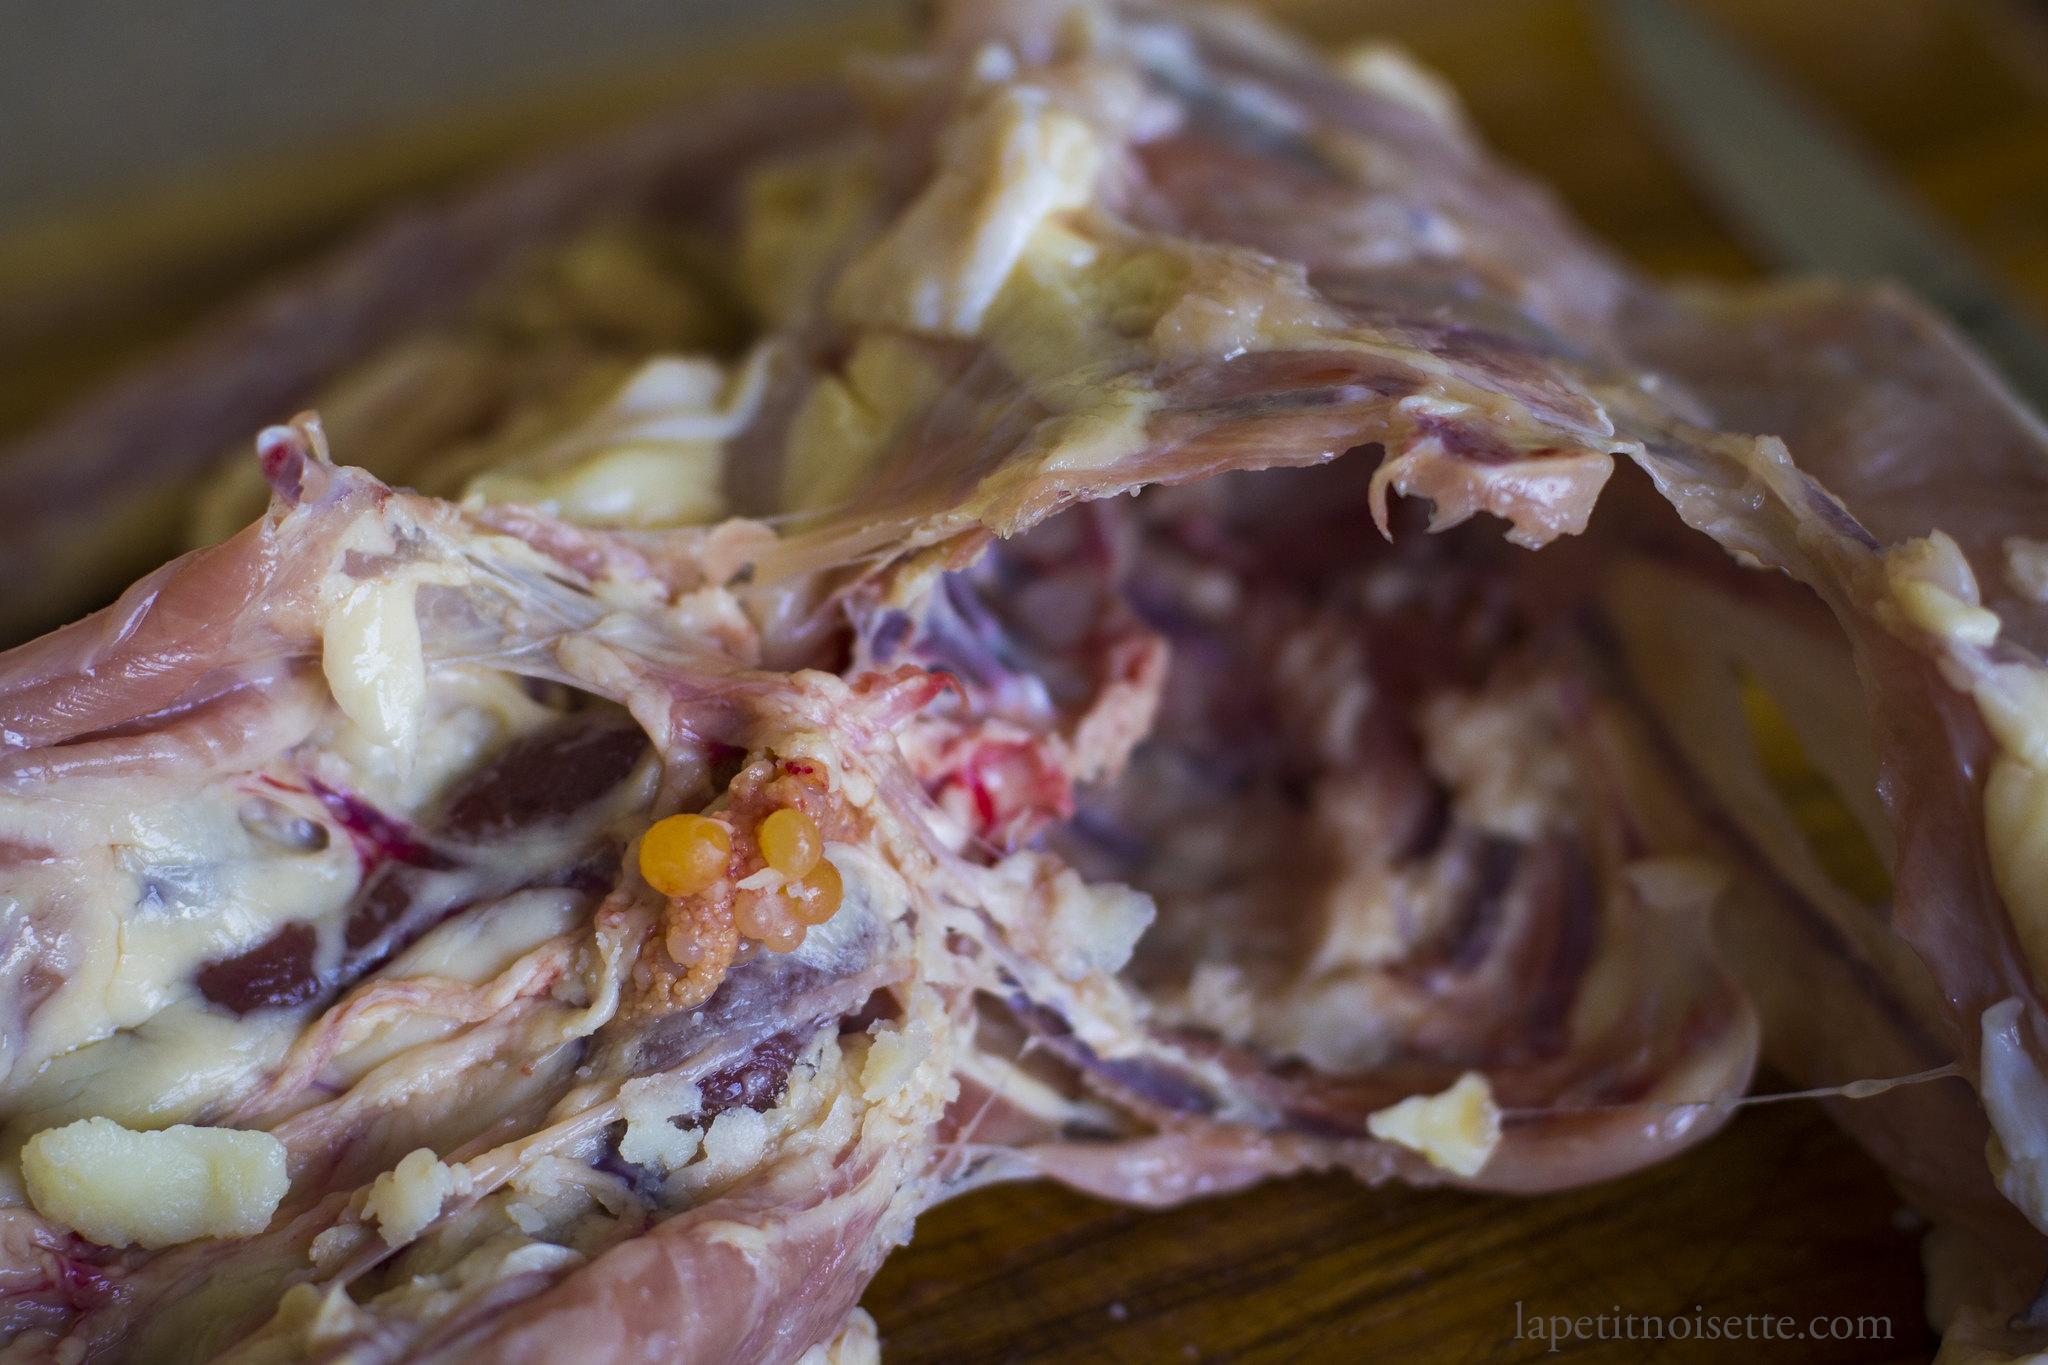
column 846, row 423
column 2016, row 831
column 376, row 667
column 406, row 1198
column 1006, row 170
column 1933, row 589
column 1456, row 1130
column 119, row 1187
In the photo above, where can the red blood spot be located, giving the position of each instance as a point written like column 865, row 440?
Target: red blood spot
column 282, row 458
column 1012, row 788
column 378, row 837
column 903, row 692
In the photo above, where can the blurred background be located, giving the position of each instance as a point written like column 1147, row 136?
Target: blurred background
column 159, row 161
column 106, row 100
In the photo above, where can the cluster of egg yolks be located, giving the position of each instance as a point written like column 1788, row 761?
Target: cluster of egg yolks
column 792, row 844
column 816, row 898
column 684, row 854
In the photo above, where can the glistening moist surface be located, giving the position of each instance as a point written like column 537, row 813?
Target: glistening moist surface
column 765, row 781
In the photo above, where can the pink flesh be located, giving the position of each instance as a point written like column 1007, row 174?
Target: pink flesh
column 1059, row 645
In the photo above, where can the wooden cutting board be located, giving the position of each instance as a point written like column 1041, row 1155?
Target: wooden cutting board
column 1778, row 1215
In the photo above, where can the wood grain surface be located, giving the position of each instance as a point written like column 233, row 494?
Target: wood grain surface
column 1780, row 1214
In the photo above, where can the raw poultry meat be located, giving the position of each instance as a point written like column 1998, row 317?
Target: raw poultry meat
column 768, row 779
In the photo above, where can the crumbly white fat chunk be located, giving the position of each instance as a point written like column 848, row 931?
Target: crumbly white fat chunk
column 1095, row 927
column 1077, row 927
column 1498, row 752
column 405, row 1199
column 893, row 1057
column 526, row 1217
column 821, row 1111
column 736, row 1142
column 1456, row 1130
column 119, row 1187
column 652, row 1139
